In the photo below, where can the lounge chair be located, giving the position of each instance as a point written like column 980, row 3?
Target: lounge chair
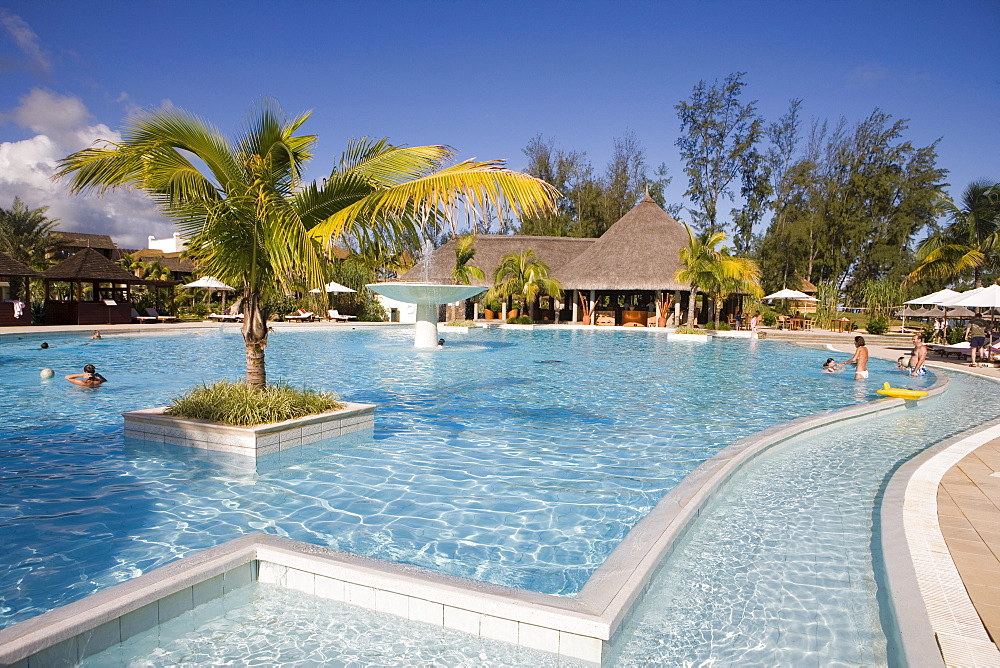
column 226, row 317
column 301, row 316
column 142, row 318
column 959, row 350
column 333, row 314
column 151, row 312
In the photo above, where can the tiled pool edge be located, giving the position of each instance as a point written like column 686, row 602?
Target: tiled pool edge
column 579, row 627
column 151, row 425
column 936, row 617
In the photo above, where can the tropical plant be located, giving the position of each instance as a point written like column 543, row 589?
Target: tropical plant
column 463, row 273
column 244, row 405
column 970, row 244
column 826, row 308
column 714, row 271
column 880, row 298
column 523, row 277
column 877, row 325
column 25, row 235
column 251, row 222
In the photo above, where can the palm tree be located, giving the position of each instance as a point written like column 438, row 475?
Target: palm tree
column 970, row 242
column 463, row 273
column 251, row 222
column 715, row 271
column 25, row 235
column 523, row 277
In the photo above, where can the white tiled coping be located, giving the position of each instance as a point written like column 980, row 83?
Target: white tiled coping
column 580, row 627
column 453, row 328
column 938, row 623
column 702, row 338
column 512, row 326
column 732, row 334
column 153, row 426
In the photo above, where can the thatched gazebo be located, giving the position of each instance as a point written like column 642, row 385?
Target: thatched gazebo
column 88, row 289
column 630, row 266
column 14, row 311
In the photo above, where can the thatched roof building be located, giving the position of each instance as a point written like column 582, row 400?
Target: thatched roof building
column 556, row 252
column 639, row 252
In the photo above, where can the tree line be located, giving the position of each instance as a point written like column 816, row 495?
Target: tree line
column 836, row 203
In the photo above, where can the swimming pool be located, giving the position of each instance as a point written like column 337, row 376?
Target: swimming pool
column 520, row 458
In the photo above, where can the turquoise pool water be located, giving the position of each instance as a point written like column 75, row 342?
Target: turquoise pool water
column 519, row 458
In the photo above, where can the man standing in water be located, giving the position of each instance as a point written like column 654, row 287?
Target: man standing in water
column 860, row 358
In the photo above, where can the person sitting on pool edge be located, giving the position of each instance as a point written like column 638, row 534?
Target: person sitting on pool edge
column 860, row 358
column 89, row 377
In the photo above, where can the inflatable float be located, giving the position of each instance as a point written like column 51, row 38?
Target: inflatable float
column 900, row 393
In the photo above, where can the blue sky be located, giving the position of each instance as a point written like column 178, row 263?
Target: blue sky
column 483, row 77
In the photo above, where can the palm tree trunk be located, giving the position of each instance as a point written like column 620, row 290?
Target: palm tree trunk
column 255, row 338
column 691, row 298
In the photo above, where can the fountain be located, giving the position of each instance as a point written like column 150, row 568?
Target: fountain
column 426, row 296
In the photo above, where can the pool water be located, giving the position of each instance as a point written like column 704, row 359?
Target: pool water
column 514, row 457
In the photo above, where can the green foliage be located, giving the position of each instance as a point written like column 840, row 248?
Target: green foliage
column 955, row 335
column 769, row 318
column 520, row 320
column 724, row 327
column 718, row 143
column 25, row 234
column 243, row 405
column 493, row 305
column 848, row 207
column 970, row 245
column 277, row 306
column 878, row 325
column 712, row 270
column 880, row 298
column 522, row 277
column 684, row 329
column 462, row 323
column 590, row 203
column 826, row 308
column 196, row 311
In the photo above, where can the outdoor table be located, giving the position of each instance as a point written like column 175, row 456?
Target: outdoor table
column 798, row 324
column 841, row 325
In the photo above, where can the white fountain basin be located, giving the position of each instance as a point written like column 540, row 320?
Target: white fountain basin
column 425, row 293
column 426, row 296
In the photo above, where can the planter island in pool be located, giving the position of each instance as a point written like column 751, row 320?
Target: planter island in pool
column 152, row 425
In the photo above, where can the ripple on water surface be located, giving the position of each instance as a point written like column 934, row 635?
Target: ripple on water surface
column 482, row 463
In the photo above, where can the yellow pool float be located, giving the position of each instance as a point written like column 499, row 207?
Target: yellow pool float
column 900, row 393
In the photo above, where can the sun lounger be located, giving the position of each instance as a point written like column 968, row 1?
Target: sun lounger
column 226, row 317
column 333, row 314
column 151, row 312
column 301, row 316
column 142, row 318
column 962, row 349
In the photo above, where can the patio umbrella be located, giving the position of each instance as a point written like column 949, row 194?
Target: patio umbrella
column 959, row 312
column 988, row 297
column 955, row 298
column 935, row 312
column 794, row 295
column 333, row 287
column 211, row 283
column 933, row 298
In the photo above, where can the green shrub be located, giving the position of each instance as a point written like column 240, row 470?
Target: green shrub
column 769, row 319
column 878, row 325
column 520, row 320
column 684, row 329
column 244, row 406
column 955, row 335
column 494, row 306
column 197, row 311
column 461, row 323
column 724, row 327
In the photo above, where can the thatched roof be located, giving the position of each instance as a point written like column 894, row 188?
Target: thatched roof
column 172, row 261
column 806, row 286
column 639, row 252
column 11, row 267
column 556, row 252
column 82, row 240
column 89, row 265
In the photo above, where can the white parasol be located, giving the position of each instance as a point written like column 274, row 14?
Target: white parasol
column 333, row 287
column 934, row 297
column 794, row 295
column 211, row 283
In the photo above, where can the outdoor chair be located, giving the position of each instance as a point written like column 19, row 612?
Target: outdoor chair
column 335, row 315
column 151, row 312
column 226, row 317
column 301, row 316
column 604, row 318
column 142, row 318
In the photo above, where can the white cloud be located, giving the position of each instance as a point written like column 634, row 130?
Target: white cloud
column 26, row 40
column 27, row 167
column 869, row 74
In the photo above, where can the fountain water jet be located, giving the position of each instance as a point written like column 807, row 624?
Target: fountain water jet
column 426, row 296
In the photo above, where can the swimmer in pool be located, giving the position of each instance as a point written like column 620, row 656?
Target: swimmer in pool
column 89, row 377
